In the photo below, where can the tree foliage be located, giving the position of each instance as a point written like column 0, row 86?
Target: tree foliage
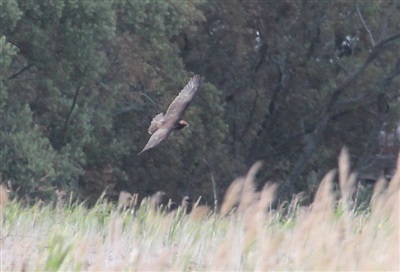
column 286, row 82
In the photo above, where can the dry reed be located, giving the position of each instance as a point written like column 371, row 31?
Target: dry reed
column 324, row 236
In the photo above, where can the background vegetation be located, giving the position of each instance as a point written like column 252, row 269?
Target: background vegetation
column 329, row 235
column 286, row 82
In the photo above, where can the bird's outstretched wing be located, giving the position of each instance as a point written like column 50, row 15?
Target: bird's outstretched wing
column 156, row 138
column 181, row 102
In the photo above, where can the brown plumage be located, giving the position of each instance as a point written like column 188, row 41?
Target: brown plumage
column 162, row 125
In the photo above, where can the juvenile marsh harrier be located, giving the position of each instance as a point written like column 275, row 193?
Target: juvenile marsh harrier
column 162, row 125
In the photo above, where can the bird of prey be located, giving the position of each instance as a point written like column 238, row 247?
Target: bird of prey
column 162, row 125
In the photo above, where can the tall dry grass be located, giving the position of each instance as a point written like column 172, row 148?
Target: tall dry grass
column 246, row 236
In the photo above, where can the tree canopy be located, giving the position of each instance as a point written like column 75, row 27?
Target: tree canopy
column 285, row 82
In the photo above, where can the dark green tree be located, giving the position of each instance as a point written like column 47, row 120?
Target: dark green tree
column 301, row 79
column 286, row 82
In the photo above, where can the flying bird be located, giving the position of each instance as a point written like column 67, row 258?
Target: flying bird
column 162, row 125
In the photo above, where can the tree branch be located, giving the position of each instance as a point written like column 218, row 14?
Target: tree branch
column 68, row 119
column 281, row 85
column 20, row 71
column 371, row 37
column 376, row 50
column 316, row 137
column 251, row 76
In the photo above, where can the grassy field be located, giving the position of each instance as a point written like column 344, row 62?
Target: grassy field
column 327, row 235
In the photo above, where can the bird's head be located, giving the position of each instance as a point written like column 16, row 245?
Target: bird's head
column 181, row 124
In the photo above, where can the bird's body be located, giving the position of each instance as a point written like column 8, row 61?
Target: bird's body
column 162, row 125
